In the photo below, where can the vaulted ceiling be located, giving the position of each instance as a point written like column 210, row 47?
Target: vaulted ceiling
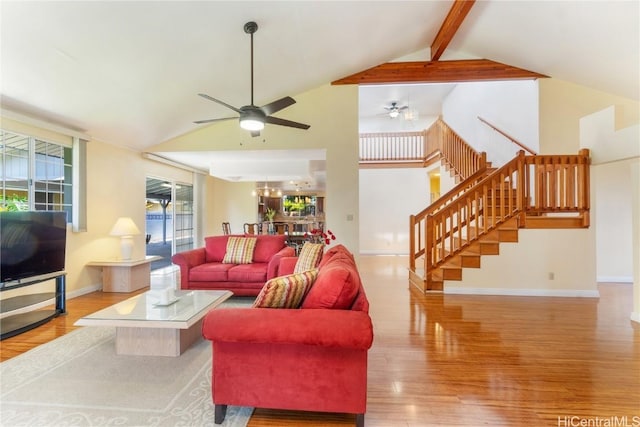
column 128, row 73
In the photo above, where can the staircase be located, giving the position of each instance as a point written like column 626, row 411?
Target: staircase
column 488, row 206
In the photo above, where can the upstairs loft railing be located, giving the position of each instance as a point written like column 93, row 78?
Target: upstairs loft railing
column 437, row 142
column 525, row 187
column 392, row 147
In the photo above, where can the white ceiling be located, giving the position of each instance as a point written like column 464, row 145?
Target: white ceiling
column 127, row 73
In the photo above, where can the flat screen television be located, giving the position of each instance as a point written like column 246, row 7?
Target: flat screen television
column 32, row 243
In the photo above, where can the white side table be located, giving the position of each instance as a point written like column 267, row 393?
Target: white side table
column 125, row 276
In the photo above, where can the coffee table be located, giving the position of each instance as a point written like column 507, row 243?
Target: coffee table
column 144, row 327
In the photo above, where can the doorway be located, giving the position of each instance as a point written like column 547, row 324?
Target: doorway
column 169, row 219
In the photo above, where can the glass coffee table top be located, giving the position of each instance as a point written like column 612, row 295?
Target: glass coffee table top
column 145, row 310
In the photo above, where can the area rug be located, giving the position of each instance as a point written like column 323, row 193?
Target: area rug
column 78, row 380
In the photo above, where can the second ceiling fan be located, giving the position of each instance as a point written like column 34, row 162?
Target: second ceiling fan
column 394, row 111
column 252, row 117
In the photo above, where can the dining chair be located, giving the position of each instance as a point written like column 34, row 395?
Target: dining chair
column 252, row 228
column 281, row 227
column 226, row 228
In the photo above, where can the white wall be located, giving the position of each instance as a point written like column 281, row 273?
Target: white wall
column 387, row 198
column 613, row 221
column 635, row 202
column 511, row 106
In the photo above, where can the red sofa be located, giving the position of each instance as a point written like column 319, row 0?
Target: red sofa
column 202, row 268
column 313, row 358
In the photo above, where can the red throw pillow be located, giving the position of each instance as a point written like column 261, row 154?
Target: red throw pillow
column 215, row 247
column 336, row 287
column 267, row 246
column 336, row 250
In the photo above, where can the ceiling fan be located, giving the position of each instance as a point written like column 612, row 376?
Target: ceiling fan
column 394, row 111
column 252, row 117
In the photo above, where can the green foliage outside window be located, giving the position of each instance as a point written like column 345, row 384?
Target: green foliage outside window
column 13, row 203
column 293, row 205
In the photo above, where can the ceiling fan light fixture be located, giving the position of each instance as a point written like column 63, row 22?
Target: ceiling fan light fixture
column 393, row 113
column 251, row 124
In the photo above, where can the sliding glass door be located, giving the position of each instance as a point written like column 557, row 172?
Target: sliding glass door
column 169, row 219
column 183, row 218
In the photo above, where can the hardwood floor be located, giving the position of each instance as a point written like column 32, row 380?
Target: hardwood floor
column 440, row 360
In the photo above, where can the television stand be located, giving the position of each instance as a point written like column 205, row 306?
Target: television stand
column 26, row 320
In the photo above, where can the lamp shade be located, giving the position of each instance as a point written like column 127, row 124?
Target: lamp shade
column 124, row 227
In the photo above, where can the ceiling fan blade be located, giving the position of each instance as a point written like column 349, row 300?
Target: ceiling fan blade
column 205, row 96
column 199, row 122
column 283, row 122
column 278, row 105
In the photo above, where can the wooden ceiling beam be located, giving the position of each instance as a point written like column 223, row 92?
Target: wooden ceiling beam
column 466, row 70
column 452, row 22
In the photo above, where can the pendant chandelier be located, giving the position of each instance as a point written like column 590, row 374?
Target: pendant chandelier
column 266, row 191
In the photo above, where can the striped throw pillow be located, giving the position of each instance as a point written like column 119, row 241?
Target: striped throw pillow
column 285, row 291
column 309, row 258
column 239, row 250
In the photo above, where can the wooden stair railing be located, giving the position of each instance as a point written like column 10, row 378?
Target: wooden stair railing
column 528, row 191
column 508, row 137
column 455, row 152
column 469, row 167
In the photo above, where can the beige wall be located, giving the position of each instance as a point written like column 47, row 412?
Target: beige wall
column 24, row 128
column 230, row 202
column 563, row 104
column 333, row 129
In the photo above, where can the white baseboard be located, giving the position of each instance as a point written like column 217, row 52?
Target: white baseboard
column 635, row 316
column 578, row 293
column 614, row 279
column 84, row 291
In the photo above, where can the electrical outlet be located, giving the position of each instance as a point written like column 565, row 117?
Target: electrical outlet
column 551, row 275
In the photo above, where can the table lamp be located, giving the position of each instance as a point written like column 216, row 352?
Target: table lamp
column 126, row 229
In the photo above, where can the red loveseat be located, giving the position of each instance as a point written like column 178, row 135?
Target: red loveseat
column 313, row 358
column 202, row 268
